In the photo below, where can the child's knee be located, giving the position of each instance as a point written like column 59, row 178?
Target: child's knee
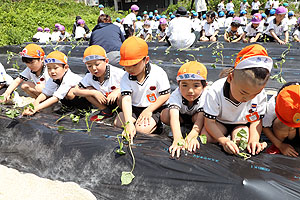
column 25, row 86
column 165, row 116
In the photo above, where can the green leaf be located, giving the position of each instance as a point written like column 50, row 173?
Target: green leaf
column 31, row 106
column 242, row 134
column 127, row 178
column 180, row 143
column 213, row 66
column 121, row 152
column 1, row 97
column 60, row 128
column 243, row 144
column 72, row 116
column 75, row 119
column 203, row 139
column 99, row 117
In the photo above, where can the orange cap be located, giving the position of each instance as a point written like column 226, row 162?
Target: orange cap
column 94, row 52
column 132, row 51
column 253, row 56
column 56, row 57
column 192, row 70
column 32, row 51
column 287, row 106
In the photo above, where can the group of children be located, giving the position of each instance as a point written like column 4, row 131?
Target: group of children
column 60, row 34
column 142, row 92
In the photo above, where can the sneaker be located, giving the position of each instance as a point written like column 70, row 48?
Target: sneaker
column 273, row 150
column 101, row 116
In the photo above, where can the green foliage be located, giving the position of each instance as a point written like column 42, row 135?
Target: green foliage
column 203, row 139
column 20, row 19
column 126, row 178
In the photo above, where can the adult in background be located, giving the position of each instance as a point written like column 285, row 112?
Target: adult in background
column 86, row 28
column 201, row 8
column 180, row 33
column 109, row 36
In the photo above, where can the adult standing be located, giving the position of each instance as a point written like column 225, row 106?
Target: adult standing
column 201, row 8
column 109, row 36
column 180, row 33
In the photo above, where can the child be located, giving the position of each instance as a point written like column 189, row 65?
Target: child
column 196, row 22
column 255, row 7
column 101, row 86
column 296, row 34
column 278, row 26
column 162, row 30
column 229, row 18
column 243, row 18
column 203, row 21
column 139, row 24
column 221, row 19
column 146, row 32
column 211, row 28
column 145, row 15
column 47, row 34
column 268, row 6
column 253, row 31
column 145, row 88
column 101, row 7
column 281, row 123
column 38, row 35
column 239, row 101
column 64, row 36
column 292, row 20
column 186, row 106
column 5, row 79
column 59, row 85
column 229, row 7
column 129, row 21
column 80, row 31
column 244, row 5
column 235, row 32
column 156, row 23
column 263, row 19
column 35, row 75
column 271, row 17
column 221, row 6
column 55, row 34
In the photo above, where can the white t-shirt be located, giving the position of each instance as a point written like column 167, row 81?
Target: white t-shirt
column 270, row 113
column 160, row 33
column 244, row 20
column 180, row 32
column 156, row 83
column 55, row 36
column 200, row 5
column 4, row 77
column 79, row 32
column 228, row 21
column 65, row 36
column 46, row 37
column 112, row 79
column 27, row 74
column 279, row 30
column 239, row 30
column 244, row 6
column 129, row 19
column 297, row 33
column 221, row 21
column 210, row 29
column 197, row 24
column 269, row 19
column 101, row 12
column 61, row 90
column 177, row 101
column 221, row 7
column 250, row 31
column 255, row 5
column 144, row 32
column 268, row 4
column 138, row 25
column 155, row 25
column 38, row 35
column 229, row 6
column 275, row 4
column 218, row 105
column 292, row 21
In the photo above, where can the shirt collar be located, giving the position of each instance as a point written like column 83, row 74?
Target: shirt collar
column 147, row 72
column 274, row 21
column 186, row 102
column 106, row 76
column 57, row 81
column 42, row 72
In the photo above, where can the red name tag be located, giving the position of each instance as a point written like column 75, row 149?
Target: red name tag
column 151, row 98
column 252, row 117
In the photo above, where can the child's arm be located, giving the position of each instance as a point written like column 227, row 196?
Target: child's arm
column 90, row 91
column 113, row 96
column 11, row 88
column 237, row 39
column 145, row 116
column 256, row 37
column 244, row 37
column 127, row 111
column 286, row 37
column 213, row 129
column 177, row 136
column 148, row 36
column 254, row 146
column 215, row 33
column 296, row 38
column 192, row 138
column 284, row 148
column 276, row 37
column 39, row 106
column 226, row 37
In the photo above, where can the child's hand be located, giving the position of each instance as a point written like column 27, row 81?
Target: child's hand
column 144, row 118
column 230, row 147
column 130, row 130
column 176, row 147
column 101, row 98
column 246, row 41
column 29, row 112
column 281, row 42
column 5, row 98
column 113, row 96
column 193, row 144
column 288, row 150
column 256, row 147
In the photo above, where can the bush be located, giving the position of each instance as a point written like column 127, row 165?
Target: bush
column 20, row 19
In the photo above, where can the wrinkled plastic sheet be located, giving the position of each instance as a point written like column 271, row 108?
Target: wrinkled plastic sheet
column 34, row 145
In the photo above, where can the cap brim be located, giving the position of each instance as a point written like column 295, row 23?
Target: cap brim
column 127, row 63
column 286, row 123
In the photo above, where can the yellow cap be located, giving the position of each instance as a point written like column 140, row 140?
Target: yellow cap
column 56, row 57
column 94, row 52
column 192, row 70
